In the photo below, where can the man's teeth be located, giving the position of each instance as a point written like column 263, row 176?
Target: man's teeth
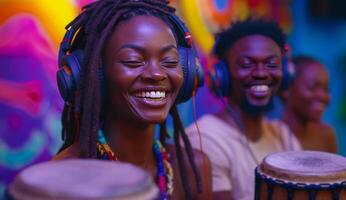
column 260, row 88
column 151, row 94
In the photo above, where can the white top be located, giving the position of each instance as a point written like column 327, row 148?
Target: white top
column 230, row 154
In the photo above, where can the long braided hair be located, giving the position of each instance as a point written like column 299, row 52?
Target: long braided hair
column 95, row 25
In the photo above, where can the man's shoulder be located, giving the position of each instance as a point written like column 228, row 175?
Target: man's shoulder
column 213, row 133
column 281, row 130
column 206, row 120
column 210, row 124
column 277, row 126
column 276, row 123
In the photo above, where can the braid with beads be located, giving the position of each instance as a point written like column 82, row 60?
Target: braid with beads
column 95, row 25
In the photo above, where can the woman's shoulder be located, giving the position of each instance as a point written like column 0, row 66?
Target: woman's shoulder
column 325, row 131
column 326, row 136
column 72, row 151
column 200, row 158
column 203, row 170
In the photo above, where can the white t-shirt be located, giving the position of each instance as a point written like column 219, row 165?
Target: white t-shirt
column 233, row 158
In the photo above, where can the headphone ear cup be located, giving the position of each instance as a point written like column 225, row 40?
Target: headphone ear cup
column 65, row 83
column 220, row 80
column 192, row 72
column 225, row 78
column 186, row 61
column 68, row 75
column 287, row 74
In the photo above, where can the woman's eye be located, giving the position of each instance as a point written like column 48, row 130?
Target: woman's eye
column 170, row 63
column 133, row 63
column 311, row 87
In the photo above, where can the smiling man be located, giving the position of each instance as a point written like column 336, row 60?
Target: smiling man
column 239, row 137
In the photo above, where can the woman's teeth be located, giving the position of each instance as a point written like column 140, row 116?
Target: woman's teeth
column 151, row 94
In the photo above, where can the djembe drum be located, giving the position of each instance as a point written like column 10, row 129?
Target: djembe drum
column 83, row 179
column 301, row 175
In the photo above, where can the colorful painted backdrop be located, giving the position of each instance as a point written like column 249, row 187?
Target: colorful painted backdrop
column 30, row 33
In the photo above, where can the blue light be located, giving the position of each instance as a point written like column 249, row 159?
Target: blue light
column 221, row 4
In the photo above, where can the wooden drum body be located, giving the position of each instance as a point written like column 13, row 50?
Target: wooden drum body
column 83, row 179
column 301, row 175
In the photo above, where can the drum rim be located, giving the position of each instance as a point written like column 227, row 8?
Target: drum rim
column 280, row 172
column 143, row 186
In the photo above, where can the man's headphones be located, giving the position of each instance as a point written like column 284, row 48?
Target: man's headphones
column 219, row 78
column 70, row 64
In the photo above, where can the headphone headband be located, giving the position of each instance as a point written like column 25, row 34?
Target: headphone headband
column 188, row 59
column 66, row 44
column 184, row 37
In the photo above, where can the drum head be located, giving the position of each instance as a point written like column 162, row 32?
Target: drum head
column 305, row 166
column 83, row 178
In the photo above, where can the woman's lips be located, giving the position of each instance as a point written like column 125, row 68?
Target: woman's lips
column 318, row 107
column 151, row 98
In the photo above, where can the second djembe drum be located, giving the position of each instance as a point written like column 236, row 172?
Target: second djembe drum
column 301, row 175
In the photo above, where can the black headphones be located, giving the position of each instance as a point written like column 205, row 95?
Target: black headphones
column 219, row 78
column 70, row 64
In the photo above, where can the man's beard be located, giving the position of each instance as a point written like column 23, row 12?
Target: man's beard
column 256, row 110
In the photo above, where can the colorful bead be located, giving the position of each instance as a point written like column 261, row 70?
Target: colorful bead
column 164, row 167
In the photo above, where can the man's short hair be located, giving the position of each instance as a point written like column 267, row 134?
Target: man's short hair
column 239, row 29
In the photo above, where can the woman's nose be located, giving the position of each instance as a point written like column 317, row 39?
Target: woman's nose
column 154, row 72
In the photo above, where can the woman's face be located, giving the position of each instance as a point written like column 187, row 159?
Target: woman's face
column 309, row 94
column 142, row 70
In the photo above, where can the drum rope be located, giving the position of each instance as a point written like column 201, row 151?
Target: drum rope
column 291, row 187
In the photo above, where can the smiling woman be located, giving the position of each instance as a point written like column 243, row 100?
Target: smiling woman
column 151, row 75
column 305, row 101
column 123, row 67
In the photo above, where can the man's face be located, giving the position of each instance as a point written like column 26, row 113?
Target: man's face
column 256, row 71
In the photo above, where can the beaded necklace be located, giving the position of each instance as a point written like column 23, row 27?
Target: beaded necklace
column 164, row 167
